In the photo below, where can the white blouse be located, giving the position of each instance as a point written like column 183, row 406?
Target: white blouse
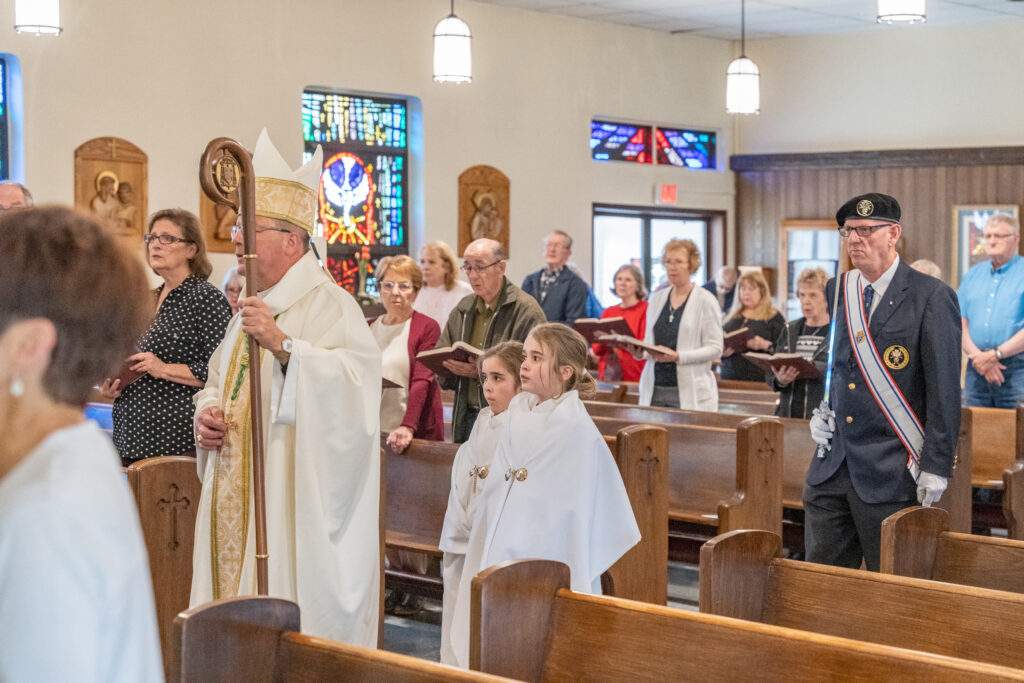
column 438, row 302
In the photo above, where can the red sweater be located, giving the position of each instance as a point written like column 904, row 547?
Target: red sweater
column 424, row 412
column 636, row 317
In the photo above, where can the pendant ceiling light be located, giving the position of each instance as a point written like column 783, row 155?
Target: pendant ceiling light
column 40, row 17
column 742, row 78
column 453, row 50
column 901, row 11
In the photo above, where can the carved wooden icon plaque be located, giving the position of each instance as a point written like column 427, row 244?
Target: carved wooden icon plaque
column 483, row 206
column 217, row 219
column 111, row 183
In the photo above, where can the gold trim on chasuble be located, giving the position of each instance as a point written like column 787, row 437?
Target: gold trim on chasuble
column 232, row 483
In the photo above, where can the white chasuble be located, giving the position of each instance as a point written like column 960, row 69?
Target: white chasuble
column 470, row 471
column 553, row 493
column 322, row 443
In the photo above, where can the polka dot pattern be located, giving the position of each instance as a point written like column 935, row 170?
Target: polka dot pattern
column 154, row 416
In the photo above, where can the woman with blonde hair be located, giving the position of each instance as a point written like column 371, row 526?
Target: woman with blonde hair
column 554, row 492
column 686, row 319
column 442, row 290
column 757, row 313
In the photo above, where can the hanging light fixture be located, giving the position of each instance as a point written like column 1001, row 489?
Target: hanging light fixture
column 453, row 50
column 742, row 78
column 901, row 11
column 39, row 17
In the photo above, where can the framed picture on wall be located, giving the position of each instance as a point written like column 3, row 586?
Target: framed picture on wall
column 968, row 225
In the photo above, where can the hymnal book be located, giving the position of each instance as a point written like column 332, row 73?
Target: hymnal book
column 460, row 351
column 806, row 368
column 126, row 374
column 385, row 383
column 593, row 328
column 626, row 340
column 737, row 339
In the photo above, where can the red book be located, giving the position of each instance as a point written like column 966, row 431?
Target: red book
column 460, row 351
column 593, row 328
column 627, row 340
column 737, row 339
column 768, row 362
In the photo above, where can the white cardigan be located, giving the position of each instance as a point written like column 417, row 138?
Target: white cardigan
column 699, row 344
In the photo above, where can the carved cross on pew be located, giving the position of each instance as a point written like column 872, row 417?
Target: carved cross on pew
column 172, row 503
column 649, row 462
column 764, row 452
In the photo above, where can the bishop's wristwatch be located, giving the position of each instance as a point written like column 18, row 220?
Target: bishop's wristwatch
column 286, row 345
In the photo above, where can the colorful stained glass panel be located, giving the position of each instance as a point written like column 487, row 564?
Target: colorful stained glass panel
column 611, row 141
column 685, row 148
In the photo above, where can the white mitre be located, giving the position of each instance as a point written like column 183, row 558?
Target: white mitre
column 282, row 193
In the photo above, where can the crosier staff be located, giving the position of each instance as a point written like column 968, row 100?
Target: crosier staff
column 226, row 167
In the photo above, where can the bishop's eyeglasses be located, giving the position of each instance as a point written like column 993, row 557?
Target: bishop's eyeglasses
column 862, row 230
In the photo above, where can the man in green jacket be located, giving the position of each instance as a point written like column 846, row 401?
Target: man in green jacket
column 496, row 311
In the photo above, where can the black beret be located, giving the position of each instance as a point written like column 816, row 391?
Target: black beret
column 875, row 205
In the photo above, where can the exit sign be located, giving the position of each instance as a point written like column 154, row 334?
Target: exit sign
column 666, row 193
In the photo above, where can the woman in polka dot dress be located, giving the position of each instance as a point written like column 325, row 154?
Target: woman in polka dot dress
column 153, row 414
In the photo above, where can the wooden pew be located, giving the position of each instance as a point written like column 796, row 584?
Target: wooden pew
column 560, row 635
column 257, row 639
column 724, row 478
column 166, row 491
column 917, row 542
column 742, row 576
column 798, row 449
column 418, row 482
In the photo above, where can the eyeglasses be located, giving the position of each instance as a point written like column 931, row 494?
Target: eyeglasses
column 998, row 235
column 862, row 230
column 469, row 268
column 403, row 287
column 166, row 240
column 236, row 230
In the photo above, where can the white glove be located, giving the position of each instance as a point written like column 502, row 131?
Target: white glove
column 930, row 488
column 823, row 426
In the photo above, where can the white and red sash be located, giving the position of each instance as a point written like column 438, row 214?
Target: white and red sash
column 883, row 388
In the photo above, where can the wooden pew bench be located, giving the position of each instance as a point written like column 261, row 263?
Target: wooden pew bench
column 559, row 635
column 917, row 542
column 257, row 639
column 166, row 492
column 742, row 576
column 418, row 482
column 719, row 478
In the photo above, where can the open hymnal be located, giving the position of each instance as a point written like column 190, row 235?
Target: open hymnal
column 737, row 339
column 460, row 351
column 593, row 328
column 806, row 368
column 626, row 340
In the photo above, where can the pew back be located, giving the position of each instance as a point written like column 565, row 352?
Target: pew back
column 256, row 639
column 742, row 576
column 562, row 635
column 993, row 437
column 917, row 542
column 166, row 492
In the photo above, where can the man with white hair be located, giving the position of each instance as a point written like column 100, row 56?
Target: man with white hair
column 321, row 375
column 14, row 195
column 992, row 309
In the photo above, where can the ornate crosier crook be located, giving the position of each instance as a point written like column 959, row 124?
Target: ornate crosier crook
column 226, row 167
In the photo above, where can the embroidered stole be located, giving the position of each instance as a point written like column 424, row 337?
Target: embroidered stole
column 232, row 479
column 883, row 388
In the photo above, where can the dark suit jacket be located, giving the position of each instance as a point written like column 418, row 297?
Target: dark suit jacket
column 712, row 287
column 566, row 299
column 920, row 313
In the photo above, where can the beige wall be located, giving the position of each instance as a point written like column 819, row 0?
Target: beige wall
column 169, row 76
column 907, row 87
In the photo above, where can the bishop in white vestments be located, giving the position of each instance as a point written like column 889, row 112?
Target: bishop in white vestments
column 321, row 377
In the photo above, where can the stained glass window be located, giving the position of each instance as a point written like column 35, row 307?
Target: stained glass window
column 363, row 197
column 611, row 141
column 685, row 148
column 5, row 163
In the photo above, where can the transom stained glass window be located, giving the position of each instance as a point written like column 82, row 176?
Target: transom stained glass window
column 363, row 196
column 649, row 144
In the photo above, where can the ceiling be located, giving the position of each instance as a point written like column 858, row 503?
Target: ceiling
column 765, row 18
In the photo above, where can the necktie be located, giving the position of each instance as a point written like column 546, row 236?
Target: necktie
column 869, row 296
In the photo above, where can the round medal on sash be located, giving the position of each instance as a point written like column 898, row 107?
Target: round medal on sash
column 896, row 357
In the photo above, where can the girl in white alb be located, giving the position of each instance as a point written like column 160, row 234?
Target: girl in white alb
column 553, row 491
column 499, row 377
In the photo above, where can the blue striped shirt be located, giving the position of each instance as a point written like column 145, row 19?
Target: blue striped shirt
column 992, row 301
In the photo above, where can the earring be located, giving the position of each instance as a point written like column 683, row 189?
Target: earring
column 17, row 387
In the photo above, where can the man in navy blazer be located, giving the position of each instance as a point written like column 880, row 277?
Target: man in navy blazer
column 559, row 291
column 860, row 474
